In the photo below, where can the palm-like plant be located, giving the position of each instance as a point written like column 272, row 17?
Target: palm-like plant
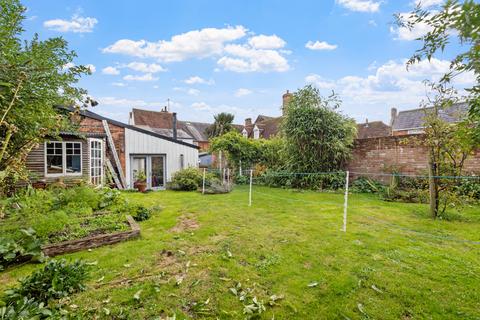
column 223, row 123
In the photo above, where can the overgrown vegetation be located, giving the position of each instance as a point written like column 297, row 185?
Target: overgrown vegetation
column 27, row 247
column 63, row 214
column 33, row 80
column 37, row 295
column 191, row 179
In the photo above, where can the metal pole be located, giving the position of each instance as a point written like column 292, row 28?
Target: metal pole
column 345, row 205
column 203, row 184
column 250, row 194
column 228, row 176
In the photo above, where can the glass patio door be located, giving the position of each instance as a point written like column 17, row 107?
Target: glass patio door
column 157, row 171
column 139, row 164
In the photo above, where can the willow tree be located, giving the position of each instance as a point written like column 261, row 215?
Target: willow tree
column 317, row 136
column 33, row 79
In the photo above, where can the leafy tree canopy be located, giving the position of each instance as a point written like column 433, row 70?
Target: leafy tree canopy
column 34, row 77
column 223, row 123
column 317, row 137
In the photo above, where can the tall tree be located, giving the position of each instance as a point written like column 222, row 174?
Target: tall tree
column 34, row 77
column 223, row 123
column 454, row 21
column 317, row 137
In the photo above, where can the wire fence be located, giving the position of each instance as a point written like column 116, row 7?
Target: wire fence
column 343, row 182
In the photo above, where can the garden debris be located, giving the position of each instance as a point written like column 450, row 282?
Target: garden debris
column 136, row 296
column 185, row 224
column 376, row 289
column 312, row 284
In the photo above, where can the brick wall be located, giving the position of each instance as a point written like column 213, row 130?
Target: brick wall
column 381, row 155
column 118, row 135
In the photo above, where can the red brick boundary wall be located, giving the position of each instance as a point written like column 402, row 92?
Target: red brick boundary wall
column 93, row 241
column 385, row 154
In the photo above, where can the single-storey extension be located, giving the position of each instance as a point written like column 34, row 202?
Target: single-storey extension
column 104, row 146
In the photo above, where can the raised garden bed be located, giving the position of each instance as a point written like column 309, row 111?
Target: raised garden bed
column 93, row 241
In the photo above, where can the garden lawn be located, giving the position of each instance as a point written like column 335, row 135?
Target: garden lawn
column 393, row 262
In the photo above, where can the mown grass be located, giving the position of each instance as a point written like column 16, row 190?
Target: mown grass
column 393, row 262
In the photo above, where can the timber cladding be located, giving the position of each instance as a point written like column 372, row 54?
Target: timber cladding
column 35, row 162
column 401, row 153
column 93, row 241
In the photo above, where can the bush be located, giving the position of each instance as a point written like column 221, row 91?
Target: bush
column 242, row 179
column 56, row 280
column 186, row 180
column 366, row 185
column 141, row 213
column 25, row 309
column 216, row 187
column 333, row 181
column 26, row 248
column 469, row 188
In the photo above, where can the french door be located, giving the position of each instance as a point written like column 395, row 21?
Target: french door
column 153, row 166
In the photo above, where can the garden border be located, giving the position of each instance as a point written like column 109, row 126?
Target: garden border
column 93, row 241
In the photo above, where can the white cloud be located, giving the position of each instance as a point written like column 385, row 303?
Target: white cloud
column 198, row 80
column 193, row 92
column 317, row 45
column 429, row 3
column 388, row 85
column 123, row 102
column 373, row 23
column 201, row 106
column 118, row 84
column 319, row 81
column 360, row 5
column 144, row 77
column 242, row 92
column 77, row 24
column 91, row 67
column 243, row 58
column 266, row 42
column 145, row 67
column 110, row 71
column 201, row 43
column 405, row 33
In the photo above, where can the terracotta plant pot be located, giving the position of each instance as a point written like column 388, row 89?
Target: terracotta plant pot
column 141, row 186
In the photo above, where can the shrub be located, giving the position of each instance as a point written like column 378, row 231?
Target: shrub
column 216, row 187
column 186, row 180
column 242, row 179
column 25, row 309
column 141, row 213
column 26, row 248
column 56, row 280
column 366, row 185
column 469, row 188
column 333, row 181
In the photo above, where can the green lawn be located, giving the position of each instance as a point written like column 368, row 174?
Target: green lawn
column 393, row 263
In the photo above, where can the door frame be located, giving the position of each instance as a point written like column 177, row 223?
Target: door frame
column 148, row 169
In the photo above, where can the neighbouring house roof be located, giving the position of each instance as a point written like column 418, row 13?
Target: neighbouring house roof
column 90, row 114
column 373, row 129
column 168, row 132
column 164, row 120
column 414, row 119
column 268, row 126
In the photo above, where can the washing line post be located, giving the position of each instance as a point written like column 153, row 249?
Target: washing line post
column 203, row 183
column 250, row 193
column 345, row 205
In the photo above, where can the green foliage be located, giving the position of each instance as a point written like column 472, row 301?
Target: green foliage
column 366, row 185
column 58, row 279
column 26, row 309
column 333, row 181
column 455, row 21
column 64, row 214
column 141, row 213
column 26, row 248
column 33, row 80
column 238, row 149
column 242, row 179
column 317, row 137
column 223, row 123
column 469, row 188
column 188, row 179
column 141, row 176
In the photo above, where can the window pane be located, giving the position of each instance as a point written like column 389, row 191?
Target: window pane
column 73, row 163
column 54, row 164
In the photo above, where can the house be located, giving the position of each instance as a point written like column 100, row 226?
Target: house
column 266, row 127
column 101, row 143
column 412, row 121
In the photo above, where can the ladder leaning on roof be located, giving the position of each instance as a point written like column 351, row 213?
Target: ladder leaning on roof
column 115, row 155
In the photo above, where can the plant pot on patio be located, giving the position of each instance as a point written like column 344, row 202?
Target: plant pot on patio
column 141, row 181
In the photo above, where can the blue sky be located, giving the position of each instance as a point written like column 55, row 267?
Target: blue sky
column 240, row 56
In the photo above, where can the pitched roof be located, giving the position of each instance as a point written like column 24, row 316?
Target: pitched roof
column 198, row 130
column 415, row 119
column 90, row 114
column 153, row 119
column 373, row 129
column 168, row 132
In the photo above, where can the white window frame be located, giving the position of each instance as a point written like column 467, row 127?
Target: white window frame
column 102, row 150
column 64, row 160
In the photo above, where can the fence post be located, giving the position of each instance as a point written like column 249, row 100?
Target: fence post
column 345, row 205
column 228, row 176
column 250, row 193
column 203, row 183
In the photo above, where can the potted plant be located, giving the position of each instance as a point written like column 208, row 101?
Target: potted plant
column 141, row 181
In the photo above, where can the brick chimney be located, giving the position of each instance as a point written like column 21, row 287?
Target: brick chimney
column 287, row 96
column 248, row 122
column 174, row 125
